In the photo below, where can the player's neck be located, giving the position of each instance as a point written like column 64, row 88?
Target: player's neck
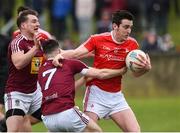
column 116, row 38
column 27, row 35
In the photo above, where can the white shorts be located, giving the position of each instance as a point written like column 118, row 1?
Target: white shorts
column 104, row 103
column 29, row 103
column 71, row 120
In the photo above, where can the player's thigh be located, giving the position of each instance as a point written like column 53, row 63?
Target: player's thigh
column 126, row 120
column 92, row 127
column 17, row 100
column 92, row 115
column 13, row 123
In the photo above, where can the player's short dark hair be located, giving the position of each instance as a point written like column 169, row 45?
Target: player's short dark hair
column 49, row 45
column 118, row 16
column 22, row 8
column 23, row 16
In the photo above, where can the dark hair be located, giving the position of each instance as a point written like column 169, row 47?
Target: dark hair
column 118, row 16
column 23, row 16
column 49, row 45
column 22, row 8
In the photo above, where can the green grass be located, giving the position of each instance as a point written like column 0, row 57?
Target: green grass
column 153, row 114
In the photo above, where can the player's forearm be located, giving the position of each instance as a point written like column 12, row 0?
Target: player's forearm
column 105, row 73
column 110, row 73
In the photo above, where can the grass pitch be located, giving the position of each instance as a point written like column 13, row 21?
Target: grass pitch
column 153, row 114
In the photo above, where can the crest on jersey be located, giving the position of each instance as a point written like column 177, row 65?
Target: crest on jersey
column 17, row 102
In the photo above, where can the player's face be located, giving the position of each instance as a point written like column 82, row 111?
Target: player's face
column 32, row 24
column 123, row 31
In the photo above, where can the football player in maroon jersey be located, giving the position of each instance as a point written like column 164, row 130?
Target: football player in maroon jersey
column 58, row 89
column 25, row 57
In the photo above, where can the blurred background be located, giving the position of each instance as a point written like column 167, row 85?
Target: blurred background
column 154, row 97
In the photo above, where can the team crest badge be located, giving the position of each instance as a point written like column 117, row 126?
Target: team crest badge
column 17, row 102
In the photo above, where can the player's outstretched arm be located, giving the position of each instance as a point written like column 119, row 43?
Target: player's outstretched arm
column 70, row 54
column 105, row 73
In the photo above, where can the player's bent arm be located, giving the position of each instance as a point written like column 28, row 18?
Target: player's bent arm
column 20, row 60
column 105, row 73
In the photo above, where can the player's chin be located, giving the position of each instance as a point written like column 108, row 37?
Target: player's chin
column 36, row 31
column 125, row 37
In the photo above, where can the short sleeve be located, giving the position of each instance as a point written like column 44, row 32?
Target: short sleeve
column 90, row 44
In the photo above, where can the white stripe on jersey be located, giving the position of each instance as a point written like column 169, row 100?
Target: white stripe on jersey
column 15, row 44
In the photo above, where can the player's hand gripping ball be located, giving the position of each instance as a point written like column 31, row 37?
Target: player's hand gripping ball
column 133, row 60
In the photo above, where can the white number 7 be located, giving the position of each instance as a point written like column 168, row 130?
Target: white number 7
column 51, row 71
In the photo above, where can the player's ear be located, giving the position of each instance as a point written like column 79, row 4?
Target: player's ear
column 23, row 25
column 114, row 26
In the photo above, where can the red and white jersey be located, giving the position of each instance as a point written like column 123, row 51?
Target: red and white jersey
column 109, row 54
column 58, row 85
column 25, row 79
column 43, row 33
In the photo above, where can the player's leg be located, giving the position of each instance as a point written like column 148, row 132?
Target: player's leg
column 92, row 106
column 15, row 120
column 122, row 114
column 92, row 127
column 126, row 120
column 85, row 121
column 27, row 124
column 17, row 105
column 32, row 119
column 29, row 120
column 92, row 115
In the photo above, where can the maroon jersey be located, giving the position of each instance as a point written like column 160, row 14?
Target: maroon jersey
column 58, row 85
column 25, row 79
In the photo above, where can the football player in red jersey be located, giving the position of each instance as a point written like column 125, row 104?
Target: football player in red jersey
column 25, row 57
column 58, row 88
column 104, row 98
